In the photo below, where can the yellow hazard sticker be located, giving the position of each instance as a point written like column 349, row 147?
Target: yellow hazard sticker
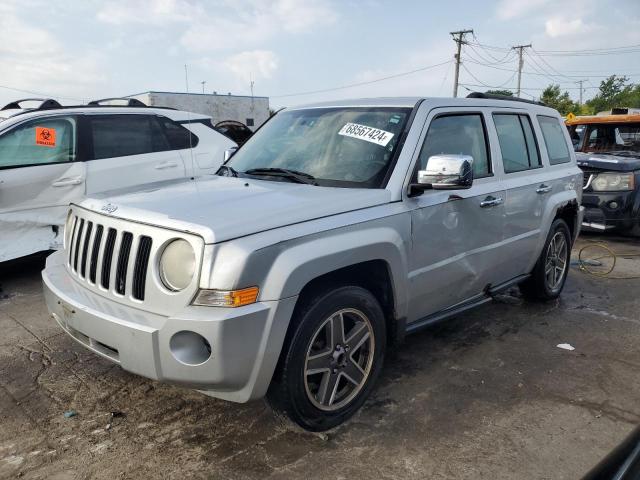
column 46, row 136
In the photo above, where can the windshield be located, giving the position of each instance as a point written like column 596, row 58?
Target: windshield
column 343, row 147
column 624, row 137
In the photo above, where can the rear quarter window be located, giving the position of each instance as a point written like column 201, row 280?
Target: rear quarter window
column 179, row 137
column 554, row 140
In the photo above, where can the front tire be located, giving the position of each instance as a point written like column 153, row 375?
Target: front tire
column 550, row 272
column 331, row 360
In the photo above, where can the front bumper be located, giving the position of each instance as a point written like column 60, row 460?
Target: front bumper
column 245, row 342
column 610, row 211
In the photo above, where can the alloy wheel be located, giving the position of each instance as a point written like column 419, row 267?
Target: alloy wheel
column 556, row 261
column 339, row 359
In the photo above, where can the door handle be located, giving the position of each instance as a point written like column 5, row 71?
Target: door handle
column 491, row 201
column 165, row 165
column 65, row 182
column 543, row 189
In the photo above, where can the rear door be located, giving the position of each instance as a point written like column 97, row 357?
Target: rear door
column 528, row 186
column 39, row 175
column 128, row 150
column 456, row 234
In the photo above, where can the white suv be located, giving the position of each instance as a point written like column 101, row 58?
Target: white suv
column 52, row 155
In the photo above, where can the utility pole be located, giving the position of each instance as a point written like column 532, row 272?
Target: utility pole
column 458, row 37
column 580, row 82
column 520, row 48
column 202, row 83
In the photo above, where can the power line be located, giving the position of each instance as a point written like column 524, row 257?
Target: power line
column 504, row 59
column 591, row 49
column 359, row 84
column 553, row 69
column 47, row 95
column 584, row 52
column 472, row 60
column 527, row 88
column 484, row 84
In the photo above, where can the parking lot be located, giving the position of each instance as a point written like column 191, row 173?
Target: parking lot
column 485, row 395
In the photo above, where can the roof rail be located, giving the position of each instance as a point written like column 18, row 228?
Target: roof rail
column 46, row 103
column 131, row 102
column 494, row 96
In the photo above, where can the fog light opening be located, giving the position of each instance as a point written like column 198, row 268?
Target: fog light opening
column 190, row 348
column 613, row 205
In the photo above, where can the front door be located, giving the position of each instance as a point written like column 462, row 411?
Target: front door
column 39, row 176
column 456, row 234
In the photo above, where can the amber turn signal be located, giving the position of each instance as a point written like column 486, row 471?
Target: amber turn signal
column 227, row 298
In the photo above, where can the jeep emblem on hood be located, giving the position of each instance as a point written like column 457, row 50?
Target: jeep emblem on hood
column 109, row 208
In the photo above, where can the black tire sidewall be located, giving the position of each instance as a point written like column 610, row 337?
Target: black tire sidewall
column 302, row 410
column 558, row 225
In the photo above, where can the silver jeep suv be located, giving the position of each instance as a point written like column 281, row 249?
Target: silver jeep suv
column 334, row 231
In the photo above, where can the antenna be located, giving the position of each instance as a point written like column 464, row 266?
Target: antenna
column 186, row 82
column 203, row 83
column 251, row 86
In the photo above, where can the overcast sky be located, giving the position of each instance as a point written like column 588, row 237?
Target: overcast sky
column 83, row 49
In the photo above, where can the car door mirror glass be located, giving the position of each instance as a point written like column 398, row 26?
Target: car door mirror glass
column 447, row 172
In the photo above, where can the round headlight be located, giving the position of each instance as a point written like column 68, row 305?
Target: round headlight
column 177, row 265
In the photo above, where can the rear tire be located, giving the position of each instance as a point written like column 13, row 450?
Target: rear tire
column 326, row 372
column 550, row 272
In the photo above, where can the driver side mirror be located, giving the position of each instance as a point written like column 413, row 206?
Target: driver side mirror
column 444, row 172
column 229, row 152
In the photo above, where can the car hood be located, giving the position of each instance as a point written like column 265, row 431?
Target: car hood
column 607, row 161
column 224, row 208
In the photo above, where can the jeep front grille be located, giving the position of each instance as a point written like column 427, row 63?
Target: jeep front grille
column 88, row 251
column 117, row 259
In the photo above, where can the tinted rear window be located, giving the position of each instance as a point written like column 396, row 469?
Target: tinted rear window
column 554, row 140
column 517, row 142
column 123, row 135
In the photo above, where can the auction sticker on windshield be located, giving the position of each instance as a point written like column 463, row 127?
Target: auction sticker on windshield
column 368, row 134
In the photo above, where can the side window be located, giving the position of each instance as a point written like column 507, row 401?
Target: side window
column 517, row 142
column 459, row 135
column 554, row 140
column 123, row 135
column 179, row 138
column 39, row 142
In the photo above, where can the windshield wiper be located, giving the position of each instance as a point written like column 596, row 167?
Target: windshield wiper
column 300, row 177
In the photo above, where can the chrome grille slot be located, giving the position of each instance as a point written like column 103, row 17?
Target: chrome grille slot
column 77, row 245
column 123, row 262
column 71, row 238
column 140, row 267
column 93, row 266
column 85, row 247
column 108, row 256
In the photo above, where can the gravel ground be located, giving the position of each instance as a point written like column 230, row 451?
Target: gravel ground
column 485, row 395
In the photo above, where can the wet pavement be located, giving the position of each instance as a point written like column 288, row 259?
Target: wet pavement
column 485, row 395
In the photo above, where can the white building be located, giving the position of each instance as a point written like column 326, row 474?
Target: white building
column 252, row 111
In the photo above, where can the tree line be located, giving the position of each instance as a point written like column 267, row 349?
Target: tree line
column 615, row 91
